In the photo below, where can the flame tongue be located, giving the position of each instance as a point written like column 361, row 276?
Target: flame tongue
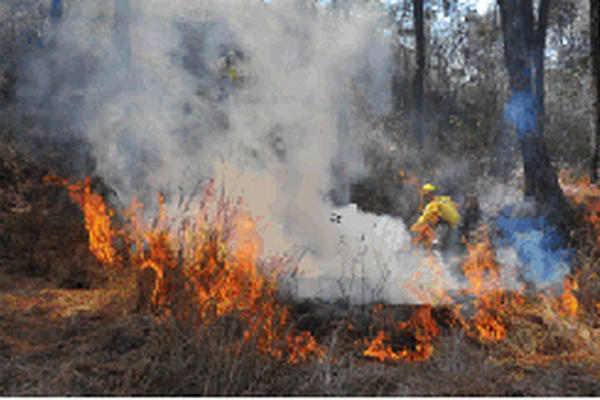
column 97, row 219
column 568, row 302
column 205, row 269
column 210, row 267
column 422, row 327
column 381, row 351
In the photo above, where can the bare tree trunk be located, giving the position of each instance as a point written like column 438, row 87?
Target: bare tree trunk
column 417, row 125
column 595, row 55
column 524, row 45
column 539, row 45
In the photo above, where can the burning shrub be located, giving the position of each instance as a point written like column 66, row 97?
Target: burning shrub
column 201, row 271
column 206, row 272
column 529, row 328
column 482, row 273
column 97, row 219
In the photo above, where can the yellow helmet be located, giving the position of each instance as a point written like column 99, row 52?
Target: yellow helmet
column 429, row 188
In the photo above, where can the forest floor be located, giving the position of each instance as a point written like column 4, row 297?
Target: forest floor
column 70, row 328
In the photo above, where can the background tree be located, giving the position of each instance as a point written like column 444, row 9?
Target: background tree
column 524, row 45
column 418, row 95
column 595, row 55
column 568, row 98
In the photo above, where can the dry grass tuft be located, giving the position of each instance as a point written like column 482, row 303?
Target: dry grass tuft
column 71, row 328
column 41, row 234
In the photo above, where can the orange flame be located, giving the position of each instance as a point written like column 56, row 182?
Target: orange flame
column 488, row 324
column 215, row 258
column 302, row 347
column 424, row 233
column 381, row 351
column 583, row 193
column 480, row 265
column 97, row 218
column 568, row 302
column 482, row 273
column 422, row 327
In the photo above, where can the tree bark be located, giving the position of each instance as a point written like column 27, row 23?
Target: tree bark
column 524, row 45
column 417, row 125
column 595, row 55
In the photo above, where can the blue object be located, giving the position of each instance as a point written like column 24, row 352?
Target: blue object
column 538, row 246
column 56, row 11
column 40, row 43
column 521, row 112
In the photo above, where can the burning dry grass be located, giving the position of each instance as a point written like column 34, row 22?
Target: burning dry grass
column 202, row 271
column 521, row 328
column 421, row 328
column 204, row 318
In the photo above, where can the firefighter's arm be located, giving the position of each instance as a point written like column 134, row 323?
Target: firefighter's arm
column 424, row 225
column 430, row 215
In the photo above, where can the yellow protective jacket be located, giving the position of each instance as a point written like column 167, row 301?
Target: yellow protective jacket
column 441, row 207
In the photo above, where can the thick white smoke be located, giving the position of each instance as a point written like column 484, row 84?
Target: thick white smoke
column 150, row 85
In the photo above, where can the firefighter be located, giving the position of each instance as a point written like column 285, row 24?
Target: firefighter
column 438, row 220
column 227, row 66
column 226, row 74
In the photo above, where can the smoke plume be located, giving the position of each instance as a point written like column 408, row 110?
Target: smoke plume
column 272, row 100
column 268, row 99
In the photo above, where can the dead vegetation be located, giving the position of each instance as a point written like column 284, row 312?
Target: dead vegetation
column 41, row 231
column 69, row 327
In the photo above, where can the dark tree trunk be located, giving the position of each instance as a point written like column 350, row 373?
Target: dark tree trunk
column 595, row 55
column 539, row 46
column 524, row 45
column 417, row 123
